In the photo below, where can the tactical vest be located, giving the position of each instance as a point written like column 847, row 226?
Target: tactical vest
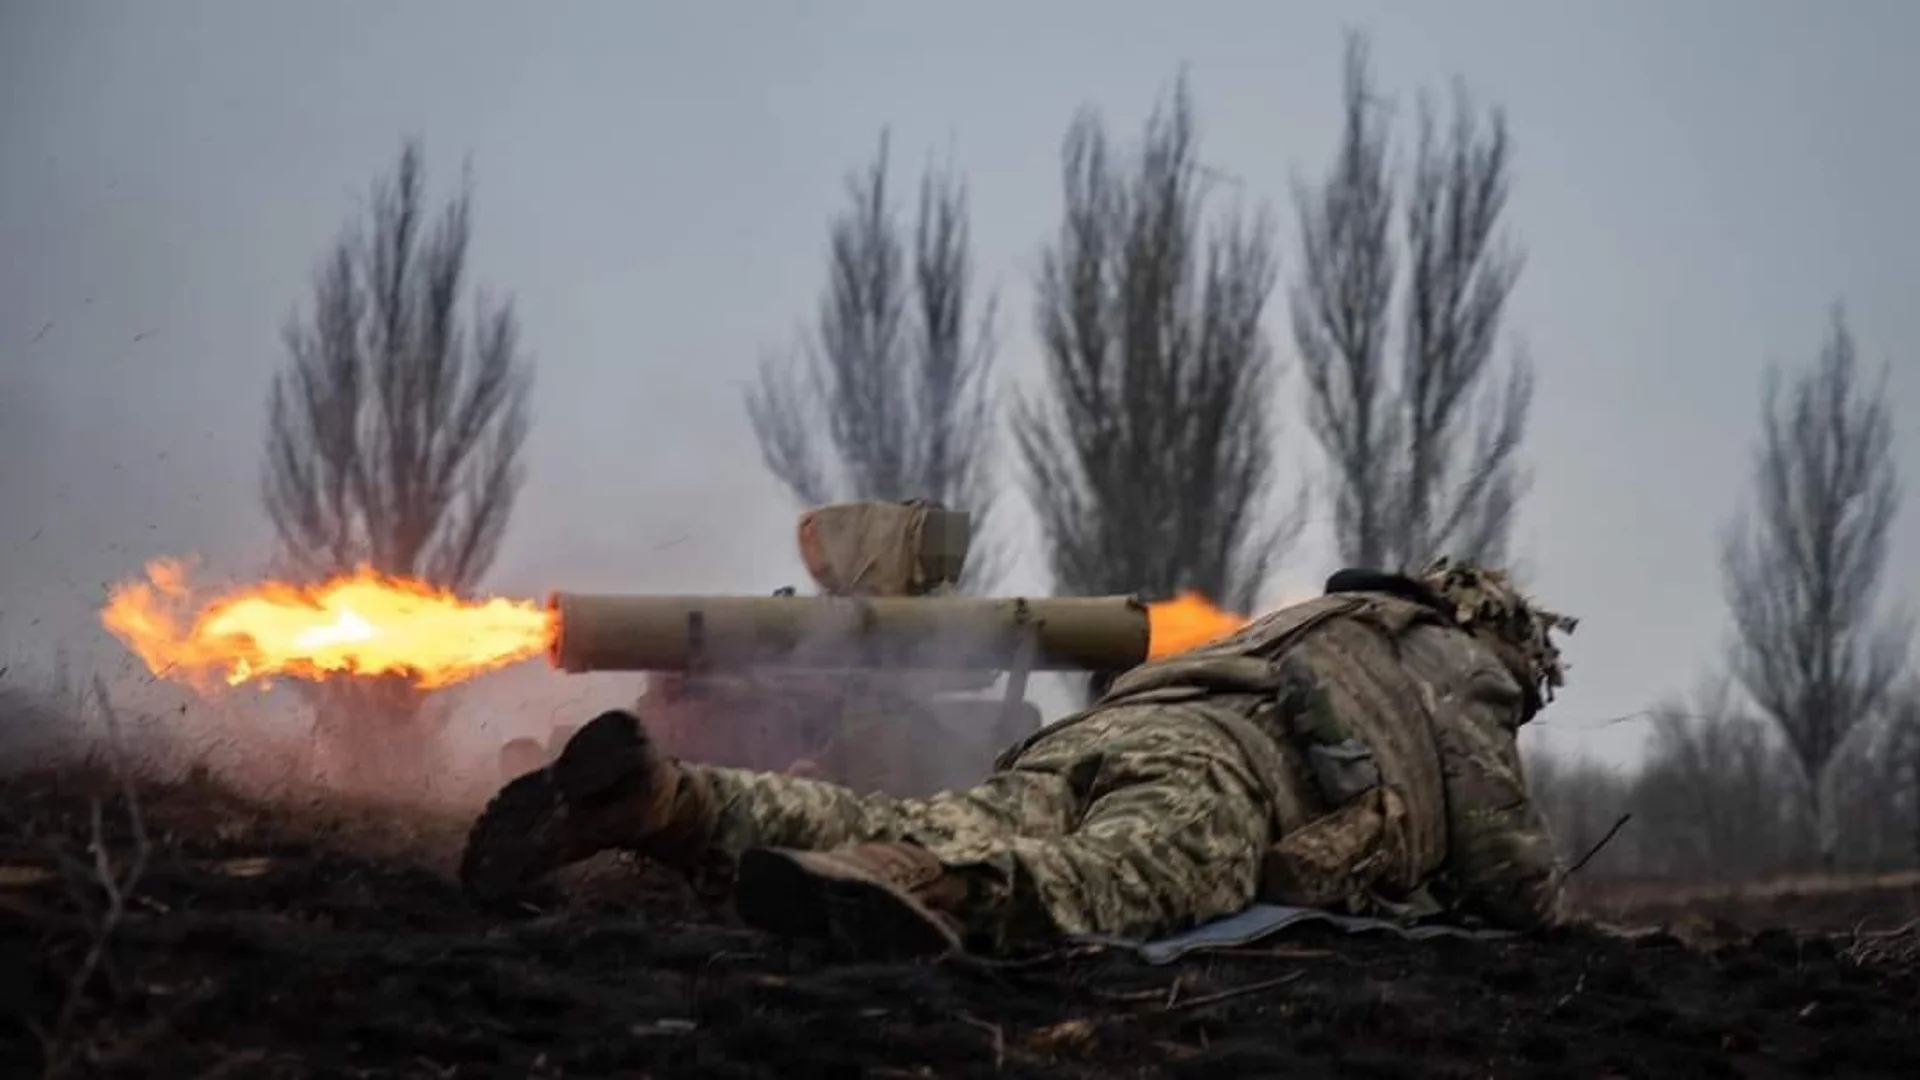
column 1308, row 769
column 1243, row 663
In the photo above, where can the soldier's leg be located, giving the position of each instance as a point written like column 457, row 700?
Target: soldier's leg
column 610, row 787
column 1174, row 826
column 804, row 849
column 1173, row 834
column 757, row 809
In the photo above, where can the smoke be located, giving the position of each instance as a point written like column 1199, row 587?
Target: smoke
column 259, row 745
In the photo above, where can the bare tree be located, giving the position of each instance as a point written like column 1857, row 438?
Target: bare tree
column 1709, row 802
column 1902, row 795
column 1427, row 464
column 1813, row 645
column 1151, row 454
column 1582, row 800
column 891, row 396
column 394, row 434
column 1877, row 800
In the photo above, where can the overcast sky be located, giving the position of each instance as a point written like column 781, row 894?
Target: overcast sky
column 1695, row 184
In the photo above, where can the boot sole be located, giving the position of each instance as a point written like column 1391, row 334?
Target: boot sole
column 776, row 891
column 516, row 838
column 604, row 761
column 509, row 839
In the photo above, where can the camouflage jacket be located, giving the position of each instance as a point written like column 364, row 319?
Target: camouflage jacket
column 1387, row 736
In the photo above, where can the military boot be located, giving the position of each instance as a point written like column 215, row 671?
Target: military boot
column 882, row 900
column 609, row 788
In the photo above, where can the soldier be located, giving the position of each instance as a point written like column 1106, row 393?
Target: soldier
column 1356, row 752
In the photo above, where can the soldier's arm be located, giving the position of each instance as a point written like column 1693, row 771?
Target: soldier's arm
column 1500, row 852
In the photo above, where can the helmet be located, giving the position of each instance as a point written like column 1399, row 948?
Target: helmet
column 1486, row 603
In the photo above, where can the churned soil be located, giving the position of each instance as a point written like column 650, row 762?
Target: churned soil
column 330, row 941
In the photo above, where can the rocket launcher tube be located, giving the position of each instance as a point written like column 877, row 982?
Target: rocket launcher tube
column 677, row 633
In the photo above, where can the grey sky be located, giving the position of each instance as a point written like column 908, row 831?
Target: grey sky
column 1696, row 182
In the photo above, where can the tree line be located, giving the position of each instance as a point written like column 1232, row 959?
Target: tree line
column 1801, row 752
column 1149, row 451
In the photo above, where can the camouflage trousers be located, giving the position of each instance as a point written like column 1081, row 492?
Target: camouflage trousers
column 1139, row 820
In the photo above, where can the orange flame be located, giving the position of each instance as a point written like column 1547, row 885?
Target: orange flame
column 1185, row 622
column 359, row 624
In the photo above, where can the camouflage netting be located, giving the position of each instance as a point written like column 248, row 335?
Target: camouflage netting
column 1486, row 600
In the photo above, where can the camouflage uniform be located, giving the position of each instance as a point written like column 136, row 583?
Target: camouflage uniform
column 1357, row 751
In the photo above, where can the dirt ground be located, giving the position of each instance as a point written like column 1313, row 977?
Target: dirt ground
column 1867, row 902
column 330, row 941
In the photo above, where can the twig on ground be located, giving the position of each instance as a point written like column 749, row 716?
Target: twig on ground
column 1595, row 849
column 116, row 886
column 1903, row 929
column 1134, row 997
column 1024, row 963
column 1205, row 1000
column 1871, row 946
column 999, row 1040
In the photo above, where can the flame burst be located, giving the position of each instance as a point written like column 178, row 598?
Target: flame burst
column 1185, row 622
column 359, row 624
